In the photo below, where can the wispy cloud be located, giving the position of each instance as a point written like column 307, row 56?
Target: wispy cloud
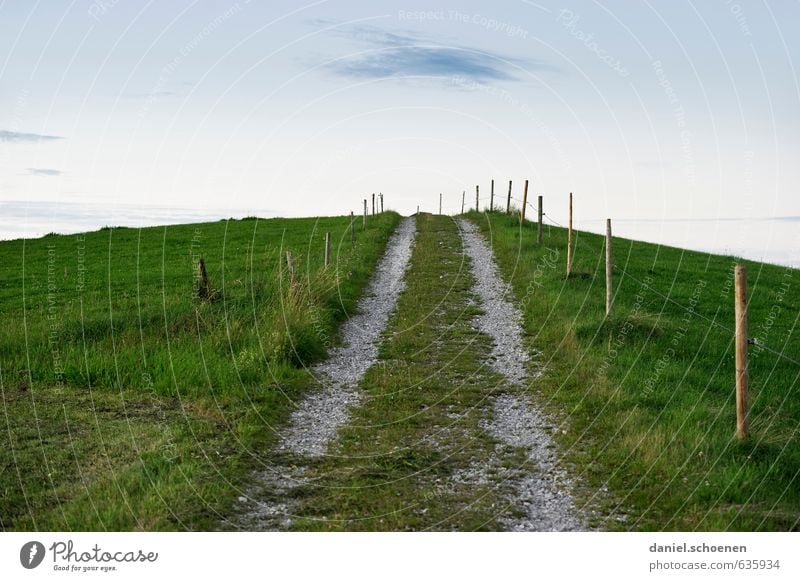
column 17, row 137
column 408, row 54
column 424, row 61
column 43, row 172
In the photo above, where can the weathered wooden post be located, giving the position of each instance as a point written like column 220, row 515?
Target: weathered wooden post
column 539, row 231
column 491, row 198
column 742, row 371
column 373, row 204
column 203, row 288
column 569, row 238
column 352, row 229
column 327, row 249
column 290, row 264
column 524, row 203
column 477, row 198
column 365, row 214
column 508, row 202
column 381, row 202
column 463, row 199
column 440, row 204
column 609, row 268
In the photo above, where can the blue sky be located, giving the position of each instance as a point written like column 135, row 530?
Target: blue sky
column 643, row 109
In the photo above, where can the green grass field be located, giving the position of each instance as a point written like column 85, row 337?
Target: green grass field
column 648, row 396
column 130, row 404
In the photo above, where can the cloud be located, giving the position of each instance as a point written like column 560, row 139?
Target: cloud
column 423, row 61
column 43, row 172
column 407, row 54
column 16, row 137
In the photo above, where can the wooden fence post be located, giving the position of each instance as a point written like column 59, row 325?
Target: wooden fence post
column 742, row 371
column 440, row 204
column 203, row 289
column 381, row 203
column 352, row 229
column 569, row 238
column 327, row 249
column 609, row 268
column 539, row 231
column 477, row 198
column 508, row 202
column 491, row 198
column 463, row 198
column 365, row 214
column 373, row 204
column 290, row 264
column 524, row 203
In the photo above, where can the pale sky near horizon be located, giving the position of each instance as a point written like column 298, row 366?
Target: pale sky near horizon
column 643, row 109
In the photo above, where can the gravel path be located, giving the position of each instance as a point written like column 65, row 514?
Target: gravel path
column 319, row 416
column 270, row 502
column 541, row 490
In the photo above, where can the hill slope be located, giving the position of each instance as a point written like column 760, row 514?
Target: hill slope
column 130, row 403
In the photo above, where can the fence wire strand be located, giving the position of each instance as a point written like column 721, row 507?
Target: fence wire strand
column 624, row 272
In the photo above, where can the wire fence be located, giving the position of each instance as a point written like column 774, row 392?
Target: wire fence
column 625, row 273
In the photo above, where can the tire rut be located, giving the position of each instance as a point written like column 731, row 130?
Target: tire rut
column 269, row 503
column 540, row 490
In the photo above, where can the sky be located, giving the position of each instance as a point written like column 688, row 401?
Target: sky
column 646, row 110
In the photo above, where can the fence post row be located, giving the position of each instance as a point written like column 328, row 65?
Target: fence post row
column 742, row 371
column 740, row 284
